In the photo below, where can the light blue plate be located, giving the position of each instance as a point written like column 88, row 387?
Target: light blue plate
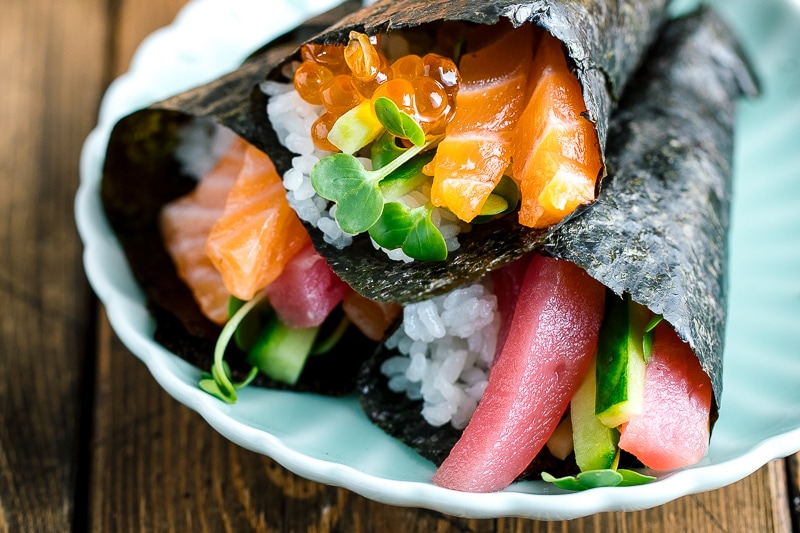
column 331, row 441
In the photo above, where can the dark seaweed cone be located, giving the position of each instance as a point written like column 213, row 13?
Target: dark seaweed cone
column 605, row 41
column 658, row 230
column 141, row 174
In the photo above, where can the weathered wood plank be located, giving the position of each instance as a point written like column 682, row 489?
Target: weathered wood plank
column 49, row 104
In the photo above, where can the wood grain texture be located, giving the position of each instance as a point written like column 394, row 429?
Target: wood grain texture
column 50, row 95
column 88, row 440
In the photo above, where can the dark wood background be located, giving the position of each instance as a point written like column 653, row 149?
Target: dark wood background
column 88, row 440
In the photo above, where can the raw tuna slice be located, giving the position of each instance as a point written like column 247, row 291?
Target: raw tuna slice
column 507, row 282
column 550, row 344
column 306, row 291
column 673, row 429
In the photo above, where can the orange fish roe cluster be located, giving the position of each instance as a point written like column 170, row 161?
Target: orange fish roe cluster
column 341, row 77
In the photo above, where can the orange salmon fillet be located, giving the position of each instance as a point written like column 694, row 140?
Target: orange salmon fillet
column 258, row 232
column 186, row 224
column 556, row 159
column 478, row 141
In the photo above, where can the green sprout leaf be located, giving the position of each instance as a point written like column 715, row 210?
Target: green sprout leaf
column 410, row 229
column 397, row 122
column 385, row 150
column 342, row 178
column 631, row 478
column 393, row 227
column 425, row 241
column 566, row 482
column 249, row 327
column 592, row 479
column 218, row 382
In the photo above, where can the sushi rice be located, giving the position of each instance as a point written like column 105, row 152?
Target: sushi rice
column 446, row 346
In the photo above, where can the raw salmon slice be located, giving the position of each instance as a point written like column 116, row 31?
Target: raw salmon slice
column 673, row 429
column 478, row 143
column 186, row 224
column 556, row 158
column 258, row 232
column 550, row 344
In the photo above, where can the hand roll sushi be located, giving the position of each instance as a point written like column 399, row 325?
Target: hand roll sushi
column 603, row 350
column 229, row 273
column 426, row 143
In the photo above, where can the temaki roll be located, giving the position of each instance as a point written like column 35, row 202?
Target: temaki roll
column 227, row 268
column 426, row 143
column 604, row 348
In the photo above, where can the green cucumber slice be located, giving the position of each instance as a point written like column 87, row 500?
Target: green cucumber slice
column 620, row 361
column 595, row 443
column 281, row 352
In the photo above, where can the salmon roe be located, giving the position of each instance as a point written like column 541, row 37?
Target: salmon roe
column 320, row 129
column 340, row 77
column 309, row 79
column 339, row 95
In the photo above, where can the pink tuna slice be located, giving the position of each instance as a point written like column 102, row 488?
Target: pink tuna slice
column 306, row 291
column 507, row 282
column 673, row 430
column 552, row 338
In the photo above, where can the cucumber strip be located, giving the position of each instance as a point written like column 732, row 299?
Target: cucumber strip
column 280, row 352
column 595, row 443
column 620, row 361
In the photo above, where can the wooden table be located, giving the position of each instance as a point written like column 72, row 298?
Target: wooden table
column 88, row 440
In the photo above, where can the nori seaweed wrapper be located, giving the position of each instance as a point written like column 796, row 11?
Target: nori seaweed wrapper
column 604, row 41
column 141, row 174
column 658, row 230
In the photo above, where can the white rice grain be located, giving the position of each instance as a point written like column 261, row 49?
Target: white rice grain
column 445, row 341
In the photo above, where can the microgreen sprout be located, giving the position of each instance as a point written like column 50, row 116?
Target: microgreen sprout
column 218, row 383
column 384, row 150
column 342, row 178
column 398, row 123
column 591, row 479
column 410, row 229
column 361, row 195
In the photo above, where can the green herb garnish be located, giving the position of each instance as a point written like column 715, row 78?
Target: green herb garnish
column 218, row 382
column 599, row 478
column 361, row 195
column 397, row 122
column 342, row 178
column 412, row 230
column 385, row 150
column 366, row 200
